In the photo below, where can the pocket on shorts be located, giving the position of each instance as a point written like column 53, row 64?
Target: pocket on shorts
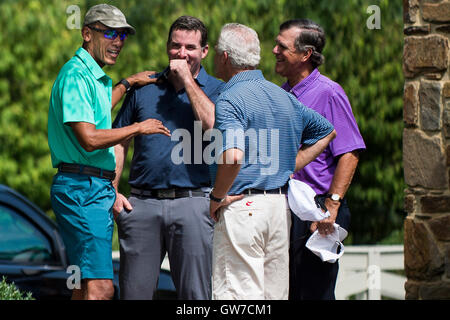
column 69, row 188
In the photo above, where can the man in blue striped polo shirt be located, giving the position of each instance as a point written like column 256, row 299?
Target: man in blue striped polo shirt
column 262, row 127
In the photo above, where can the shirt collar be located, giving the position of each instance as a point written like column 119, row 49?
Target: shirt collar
column 90, row 63
column 243, row 76
column 301, row 87
column 202, row 77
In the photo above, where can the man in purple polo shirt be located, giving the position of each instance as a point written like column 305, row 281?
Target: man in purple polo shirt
column 298, row 53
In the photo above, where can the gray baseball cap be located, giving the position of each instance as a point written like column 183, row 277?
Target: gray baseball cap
column 109, row 15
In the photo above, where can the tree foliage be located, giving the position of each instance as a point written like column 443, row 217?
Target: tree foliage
column 36, row 42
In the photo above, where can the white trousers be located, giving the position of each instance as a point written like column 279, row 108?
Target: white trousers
column 251, row 249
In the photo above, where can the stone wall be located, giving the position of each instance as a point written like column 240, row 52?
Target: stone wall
column 426, row 148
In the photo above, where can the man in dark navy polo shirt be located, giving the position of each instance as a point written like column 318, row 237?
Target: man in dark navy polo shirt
column 168, row 210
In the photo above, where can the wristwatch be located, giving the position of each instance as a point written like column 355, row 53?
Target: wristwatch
column 334, row 197
column 125, row 83
column 215, row 199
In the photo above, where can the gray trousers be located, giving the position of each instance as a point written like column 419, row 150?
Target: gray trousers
column 181, row 227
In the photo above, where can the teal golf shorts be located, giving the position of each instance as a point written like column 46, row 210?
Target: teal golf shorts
column 83, row 208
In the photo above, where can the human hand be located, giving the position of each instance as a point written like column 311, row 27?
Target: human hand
column 120, row 204
column 141, row 78
column 179, row 68
column 326, row 226
column 152, row 126
column 214, row 205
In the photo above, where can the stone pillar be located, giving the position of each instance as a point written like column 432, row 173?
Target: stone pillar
column 426, row 148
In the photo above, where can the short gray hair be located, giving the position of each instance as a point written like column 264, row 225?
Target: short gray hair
column 242, row 45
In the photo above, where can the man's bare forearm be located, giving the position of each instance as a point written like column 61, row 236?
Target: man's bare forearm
column 342, row 178
column 138, row 79
column 117, row 94
column 202, row 106
column 306, row 154
column 120, row 151
column 344, row 172
column 181, row 77
column 91, row 138
column 227, row 172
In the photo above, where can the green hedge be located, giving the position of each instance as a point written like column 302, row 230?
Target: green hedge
column 9, row 291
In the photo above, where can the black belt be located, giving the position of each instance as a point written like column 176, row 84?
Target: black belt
column 169, row 193
column 88, row 170
column 281, row 190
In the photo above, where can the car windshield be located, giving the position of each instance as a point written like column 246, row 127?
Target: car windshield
column 20, row 240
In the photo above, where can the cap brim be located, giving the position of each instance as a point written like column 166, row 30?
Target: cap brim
column 118, row 25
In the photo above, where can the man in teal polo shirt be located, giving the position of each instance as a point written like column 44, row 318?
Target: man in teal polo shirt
column 81, row 143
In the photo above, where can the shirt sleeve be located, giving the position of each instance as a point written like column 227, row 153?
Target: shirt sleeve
column 77, row 99
column 315, row 127
column 126, row 115
column 214, row 95
column 340, row 114
column 230, row 121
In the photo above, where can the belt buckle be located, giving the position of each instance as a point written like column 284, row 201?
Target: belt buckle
column 168, row 193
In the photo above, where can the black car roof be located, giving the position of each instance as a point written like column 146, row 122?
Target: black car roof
column 12, row 198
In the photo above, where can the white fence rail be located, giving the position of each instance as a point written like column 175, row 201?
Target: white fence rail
column 366, row 273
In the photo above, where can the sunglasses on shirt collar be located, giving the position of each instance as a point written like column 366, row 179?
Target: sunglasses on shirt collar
column 111, row 34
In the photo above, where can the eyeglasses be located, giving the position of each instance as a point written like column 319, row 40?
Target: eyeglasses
column 111, row 34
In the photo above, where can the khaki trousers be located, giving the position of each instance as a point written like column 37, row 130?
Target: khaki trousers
column 251, row 249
